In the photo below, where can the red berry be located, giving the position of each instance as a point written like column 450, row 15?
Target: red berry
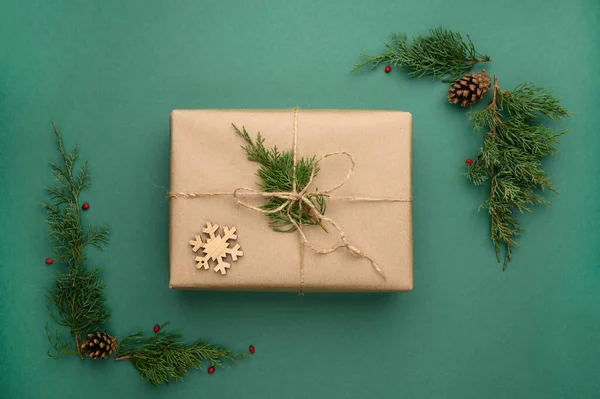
column 251, row 349
column 388, row 69
column 211, row 370
column 156, row 329
column 49, row 261
column 469, row 161
column 85, row 206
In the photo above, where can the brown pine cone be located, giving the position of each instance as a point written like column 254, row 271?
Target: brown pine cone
column 469, row 89
column 99, row 345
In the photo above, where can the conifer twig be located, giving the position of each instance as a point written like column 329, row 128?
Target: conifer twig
column 77, row 299
column 442, row 54
column 513, row 144
column 78, row 294
column 161, row 357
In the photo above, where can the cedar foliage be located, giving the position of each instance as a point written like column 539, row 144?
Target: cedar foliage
column 514, row 142
column 77, row 300
column 442, row 54
column 515, row 138
column 78, row 294
column 162, row 358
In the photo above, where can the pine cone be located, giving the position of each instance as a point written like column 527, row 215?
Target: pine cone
column 99, row 345
column 469, row 89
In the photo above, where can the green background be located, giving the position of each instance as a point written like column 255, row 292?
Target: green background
column 109, row 73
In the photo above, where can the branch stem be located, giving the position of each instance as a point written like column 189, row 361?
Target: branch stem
column 494, row 107
column 475, row 60
column 76, row 335
column 124, row 357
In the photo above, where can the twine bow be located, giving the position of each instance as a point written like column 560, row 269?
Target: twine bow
column 299, row 197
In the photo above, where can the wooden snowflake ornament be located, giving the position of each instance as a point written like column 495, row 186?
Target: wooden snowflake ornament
column 216, row 248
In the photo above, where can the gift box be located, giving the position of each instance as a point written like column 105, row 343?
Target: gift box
column 219, row 238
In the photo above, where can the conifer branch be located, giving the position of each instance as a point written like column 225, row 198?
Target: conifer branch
column 515, row 139
column 78, row 294
column 77, row 301
column 161, row 358
column 441, row 54
column 513, row 144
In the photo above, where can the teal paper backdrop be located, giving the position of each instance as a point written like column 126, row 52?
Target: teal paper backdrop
column 110, row 72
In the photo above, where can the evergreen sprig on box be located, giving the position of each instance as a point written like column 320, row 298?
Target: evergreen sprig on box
column 275, row 174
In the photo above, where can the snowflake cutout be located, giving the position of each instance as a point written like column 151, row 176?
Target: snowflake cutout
column 216, row 248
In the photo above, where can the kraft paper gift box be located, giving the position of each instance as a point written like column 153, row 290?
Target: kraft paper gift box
column 207, row 159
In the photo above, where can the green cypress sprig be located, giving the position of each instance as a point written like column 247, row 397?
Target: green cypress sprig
column 442, row 54
column 77, row 300
column 514, row 142
column 276, row 173
column 515, row 139
column 161, row 358
column 78, row 294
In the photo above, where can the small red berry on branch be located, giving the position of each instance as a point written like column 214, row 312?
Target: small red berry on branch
column 49, row 261
column 388, row 69
column 211, row 370
column 251, row 349
column 85, row 206
column 156, row 329
column 469, row 161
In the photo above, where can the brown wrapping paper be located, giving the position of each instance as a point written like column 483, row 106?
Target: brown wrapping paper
column 206, row 157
